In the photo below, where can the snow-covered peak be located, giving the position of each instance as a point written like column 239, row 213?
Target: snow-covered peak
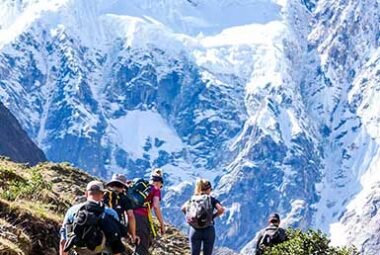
column 193, row 17
column 189, row 17
column 18, row 16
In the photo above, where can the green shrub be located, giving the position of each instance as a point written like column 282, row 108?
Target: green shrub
column 21, row 188
column 308, row 243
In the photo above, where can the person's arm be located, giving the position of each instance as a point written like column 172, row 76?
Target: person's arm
column 259, row 237
column 184, row 208
column 219, row 210
column 132, row 225
column 61, row 246
column 157, row 211
column 63, row 230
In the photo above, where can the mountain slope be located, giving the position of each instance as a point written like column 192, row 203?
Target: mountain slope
column 14, row 141
column 32, row 206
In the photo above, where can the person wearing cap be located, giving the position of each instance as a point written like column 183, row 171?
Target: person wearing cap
column 143, row 215
column 271, row 235
column 117, row 199
column 94, row 193
column 206, row 234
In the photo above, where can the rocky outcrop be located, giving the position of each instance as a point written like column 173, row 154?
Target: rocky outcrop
column 14, row 141
column 225, row 251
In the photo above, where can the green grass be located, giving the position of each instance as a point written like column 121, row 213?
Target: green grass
column 16, row 187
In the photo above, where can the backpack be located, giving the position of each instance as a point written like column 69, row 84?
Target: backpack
column 114, row 200
column 199, row 212
column 85, row 231
column 270, row 237
column 138, row 193
column 92, row 228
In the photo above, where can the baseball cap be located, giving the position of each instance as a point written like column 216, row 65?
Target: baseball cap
column 157, row 175
column 95, row 186
column 274, row 217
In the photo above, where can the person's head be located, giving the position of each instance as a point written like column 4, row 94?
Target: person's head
column 117, row 183
column 274, row 219
column 95, row 191
column 157, row 178
column 202, row 186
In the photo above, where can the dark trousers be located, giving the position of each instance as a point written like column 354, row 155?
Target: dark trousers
column 205, row 236
column 144, row 232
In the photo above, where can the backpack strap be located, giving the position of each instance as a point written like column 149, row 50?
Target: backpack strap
column 110, row 199
column 150, row 219
column 111, row 196
column 146, row 186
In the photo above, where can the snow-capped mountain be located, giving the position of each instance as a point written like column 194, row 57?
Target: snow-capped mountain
column 273, row 100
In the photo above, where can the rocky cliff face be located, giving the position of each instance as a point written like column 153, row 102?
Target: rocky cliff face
column 275, row 104
column 14, row 141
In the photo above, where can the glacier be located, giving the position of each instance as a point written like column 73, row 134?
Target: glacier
column 272, row 100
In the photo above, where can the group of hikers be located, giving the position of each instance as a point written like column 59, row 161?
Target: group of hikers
column 121, row 211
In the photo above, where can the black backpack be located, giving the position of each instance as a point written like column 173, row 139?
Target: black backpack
column 92, row 227
column 270, row 237
column 199, row 211
column 138, row 193
column 86, row 230
column 113, row 229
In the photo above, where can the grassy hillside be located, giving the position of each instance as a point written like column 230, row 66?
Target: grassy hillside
column 33, row 201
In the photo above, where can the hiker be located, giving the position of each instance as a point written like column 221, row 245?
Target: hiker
column 270, row 235
column 200, row 215
column 117, row 199
column 144, row 222
column 90, row 226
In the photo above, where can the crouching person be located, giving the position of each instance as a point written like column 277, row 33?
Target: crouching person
column 90, row 227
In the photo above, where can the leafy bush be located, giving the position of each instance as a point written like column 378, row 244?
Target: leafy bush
column 17, row 186
column 308, row 243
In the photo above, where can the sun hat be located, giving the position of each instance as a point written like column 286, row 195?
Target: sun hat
column 118, row 178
